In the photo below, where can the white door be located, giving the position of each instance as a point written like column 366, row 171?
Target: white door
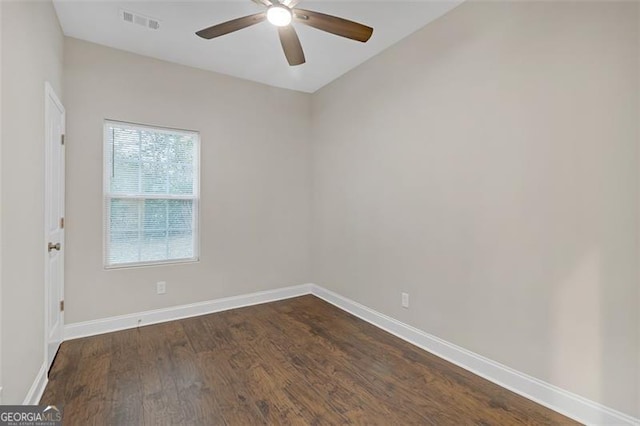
column 54, row 223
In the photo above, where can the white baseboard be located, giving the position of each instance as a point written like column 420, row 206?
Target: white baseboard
column 562, row 401
column 553, row 397
column 123, row 322
column 37, row 388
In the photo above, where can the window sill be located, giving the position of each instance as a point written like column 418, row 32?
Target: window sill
column 151, row 264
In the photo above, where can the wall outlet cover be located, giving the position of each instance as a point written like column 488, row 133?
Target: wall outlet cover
column 405, row 300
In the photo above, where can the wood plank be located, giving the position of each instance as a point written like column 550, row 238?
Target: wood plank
column 297, row 361
column 124, row 397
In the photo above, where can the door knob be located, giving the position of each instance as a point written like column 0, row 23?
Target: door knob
column 55, row 246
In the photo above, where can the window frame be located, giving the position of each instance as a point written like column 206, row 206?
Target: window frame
column 107, row 196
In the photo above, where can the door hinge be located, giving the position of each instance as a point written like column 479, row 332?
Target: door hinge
column 62, row 223
column 62, row 306
column 62, row 139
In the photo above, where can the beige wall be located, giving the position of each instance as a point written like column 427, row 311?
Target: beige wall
column 254, row 210
column 1, row 381
column 32, row 46
column 488, row 166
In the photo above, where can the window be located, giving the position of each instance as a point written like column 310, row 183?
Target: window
column 151, row 191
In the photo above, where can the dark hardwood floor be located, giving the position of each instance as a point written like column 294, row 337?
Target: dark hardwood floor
column 298, row 361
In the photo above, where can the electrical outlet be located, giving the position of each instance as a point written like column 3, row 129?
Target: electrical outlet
column 161, row 287
column 405, row 300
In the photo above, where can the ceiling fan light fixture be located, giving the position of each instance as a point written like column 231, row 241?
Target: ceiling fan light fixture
column 280, row 16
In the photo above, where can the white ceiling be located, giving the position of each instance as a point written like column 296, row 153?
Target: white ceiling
column 253, row 53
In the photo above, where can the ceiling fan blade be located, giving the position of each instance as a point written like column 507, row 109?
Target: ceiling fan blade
column 333, row 24
column 231, row 26
column 291, row 3
column 263, row 2
column 291, row 45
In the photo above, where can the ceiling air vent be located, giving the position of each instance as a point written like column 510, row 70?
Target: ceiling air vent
column 138, row 19
column 127, row 16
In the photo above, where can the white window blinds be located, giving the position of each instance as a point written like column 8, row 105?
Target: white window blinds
column 151, row 188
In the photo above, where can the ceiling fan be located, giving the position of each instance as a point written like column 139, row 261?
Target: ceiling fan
column 282, row 14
